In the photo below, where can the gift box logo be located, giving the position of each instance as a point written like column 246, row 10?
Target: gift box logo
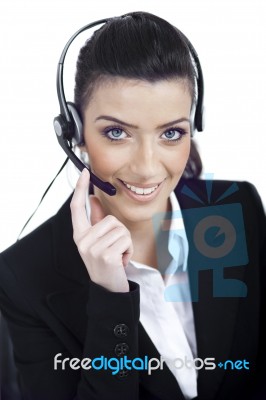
column 217, row 240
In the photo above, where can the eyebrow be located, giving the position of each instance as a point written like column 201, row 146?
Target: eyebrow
column 110, row 118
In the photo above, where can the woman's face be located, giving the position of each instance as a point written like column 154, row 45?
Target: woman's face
column 137, row 135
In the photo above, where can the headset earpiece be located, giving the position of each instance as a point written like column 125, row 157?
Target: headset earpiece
column 77, row 131
column 62, row 127
column 72, row 130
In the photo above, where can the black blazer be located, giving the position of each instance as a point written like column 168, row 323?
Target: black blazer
column 52, row 307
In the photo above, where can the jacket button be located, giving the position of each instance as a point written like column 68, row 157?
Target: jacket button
column 121, row 330
column 121, row 349
column 123, row 373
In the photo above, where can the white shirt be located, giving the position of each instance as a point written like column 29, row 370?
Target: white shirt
column 165, row 304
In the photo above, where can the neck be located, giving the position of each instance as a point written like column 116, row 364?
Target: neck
column 144, row 243
column 150, row 243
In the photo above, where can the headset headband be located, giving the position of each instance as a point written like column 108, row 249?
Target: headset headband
column 60, row 68
column 198, row 123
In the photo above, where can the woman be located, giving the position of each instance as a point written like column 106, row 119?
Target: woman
column 106, row 277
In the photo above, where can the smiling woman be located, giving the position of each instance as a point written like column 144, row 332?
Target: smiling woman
column 167, row 269
column 149, row 150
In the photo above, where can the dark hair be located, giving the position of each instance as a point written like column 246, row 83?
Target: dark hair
column 137, row 45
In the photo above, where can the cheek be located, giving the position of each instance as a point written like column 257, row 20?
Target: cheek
column 102, row 160
column 105, row 161
column 177, row 162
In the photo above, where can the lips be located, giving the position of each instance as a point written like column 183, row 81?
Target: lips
column 141, row 190
column 141, row 193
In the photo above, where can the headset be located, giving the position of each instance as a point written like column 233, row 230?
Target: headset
column 68, row 125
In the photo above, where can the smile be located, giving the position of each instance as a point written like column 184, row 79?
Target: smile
column 140, row 190
column 141, row 193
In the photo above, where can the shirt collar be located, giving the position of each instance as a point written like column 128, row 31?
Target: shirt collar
column 177, row 242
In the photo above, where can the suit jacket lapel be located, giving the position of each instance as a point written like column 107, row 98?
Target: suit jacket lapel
column 67, row 260
column 68, row 305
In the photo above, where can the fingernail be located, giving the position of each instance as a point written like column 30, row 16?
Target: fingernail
column 86, row 171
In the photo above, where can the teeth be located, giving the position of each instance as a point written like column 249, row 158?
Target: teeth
column 140, row 190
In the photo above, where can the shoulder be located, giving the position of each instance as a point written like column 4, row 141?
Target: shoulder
column 199, row 192
column 30, row 262
column 38, row 243
column 209, row 189
column 238, row 201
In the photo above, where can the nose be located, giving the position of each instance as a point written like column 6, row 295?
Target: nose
column 145, row 160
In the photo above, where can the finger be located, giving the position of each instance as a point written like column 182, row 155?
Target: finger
column 103, row 227
column 107, row 240
column 80, row 221
column 127, row 257
column 123, row 247
column 97, row 212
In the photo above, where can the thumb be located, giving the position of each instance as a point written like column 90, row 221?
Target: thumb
column 97, row 212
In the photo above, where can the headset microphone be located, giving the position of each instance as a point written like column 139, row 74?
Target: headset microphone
column 68, row 126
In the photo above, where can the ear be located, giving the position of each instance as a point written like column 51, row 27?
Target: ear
column 84, row 156
column 82, row 148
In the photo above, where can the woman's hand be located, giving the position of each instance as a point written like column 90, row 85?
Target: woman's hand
column 104, row 243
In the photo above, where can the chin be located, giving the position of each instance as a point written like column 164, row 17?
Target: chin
column 141, row 212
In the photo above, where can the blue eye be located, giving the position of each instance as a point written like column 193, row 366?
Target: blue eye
column 173, row 134
column 115, row 133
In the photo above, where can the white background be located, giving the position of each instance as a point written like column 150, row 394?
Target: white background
column 230, row 38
